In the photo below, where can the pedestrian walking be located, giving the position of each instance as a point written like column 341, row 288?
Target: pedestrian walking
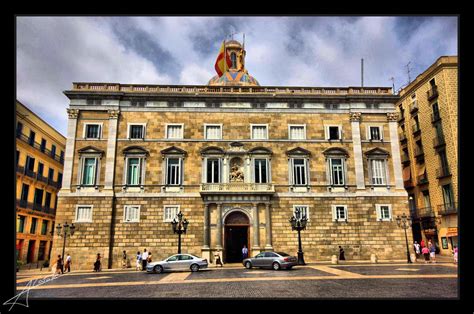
column 68, row 264
column 139, row 261
column 124, row 259
column 97, row 265
column 455, row 254
column 426, row 254
column 245, row 252
column 144, row 259
column 433, row 253
column 416, row 246
column 341, row 254
column 218, row 259
column 59, row 265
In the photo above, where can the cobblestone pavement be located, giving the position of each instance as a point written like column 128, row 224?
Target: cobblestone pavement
column 310, row 281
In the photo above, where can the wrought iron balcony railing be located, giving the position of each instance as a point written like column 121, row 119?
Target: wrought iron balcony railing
column 418, row 151
column 447, row 209
column 415, row 129
column 38, row 207
column 423, row 179
column 39, row 147
column 435, row 117
column 438, row 141
column 237, row 187
column 413, row 106
column 405, row 159
column 432, row 93
column 425, row 212
column 442, row 172
column 403, row 138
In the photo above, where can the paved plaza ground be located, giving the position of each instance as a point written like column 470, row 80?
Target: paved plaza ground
column 328, row 281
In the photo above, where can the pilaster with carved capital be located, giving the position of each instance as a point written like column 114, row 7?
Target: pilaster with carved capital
column 392, row 116
column 113, row 114
column 72, row 113
column 355, row 116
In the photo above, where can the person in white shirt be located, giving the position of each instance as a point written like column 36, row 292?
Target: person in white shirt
column 68, row 264
column 144, row 259
column 139, row 260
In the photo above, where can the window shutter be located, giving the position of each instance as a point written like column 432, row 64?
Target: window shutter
column 306, row 163
column 346, row 212
column 181, row 172
column 379, row 214
column 334, row 216
column 95, row 171
column 291, row 171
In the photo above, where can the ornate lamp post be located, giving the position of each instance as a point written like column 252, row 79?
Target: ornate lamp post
column 179, row 227
column 299, row 224
column 64, row 231
column 405, row 223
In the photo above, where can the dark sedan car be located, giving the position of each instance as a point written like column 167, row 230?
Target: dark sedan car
column 275, row 260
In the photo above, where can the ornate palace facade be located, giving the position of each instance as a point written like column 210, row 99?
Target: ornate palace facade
column 237, row 159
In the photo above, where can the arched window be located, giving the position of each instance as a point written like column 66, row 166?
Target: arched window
column 233, row 58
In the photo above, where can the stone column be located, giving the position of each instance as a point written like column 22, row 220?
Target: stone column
column 392, row 118
column 356, row 143
column 111, row 145
column 256, row 230
column 268, row 228
column 70, row 144
column 219, row 227
column 205, row 250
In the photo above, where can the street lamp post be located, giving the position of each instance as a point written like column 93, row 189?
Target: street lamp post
column 64, row 231
column 299, row 223
column 179, row 226
column 405, row 223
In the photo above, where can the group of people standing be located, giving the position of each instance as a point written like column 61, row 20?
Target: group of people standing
column 61, row 267
column 429, row 251
column 143, row 259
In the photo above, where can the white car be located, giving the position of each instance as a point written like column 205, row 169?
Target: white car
column 177, row 262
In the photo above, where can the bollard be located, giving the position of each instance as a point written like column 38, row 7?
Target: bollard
column 334, row 260
column 373, row 258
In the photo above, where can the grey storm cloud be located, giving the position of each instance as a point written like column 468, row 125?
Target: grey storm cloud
column 53, row 52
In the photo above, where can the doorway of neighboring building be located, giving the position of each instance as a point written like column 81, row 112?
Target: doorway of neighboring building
column 236, row 235
column 31, row 251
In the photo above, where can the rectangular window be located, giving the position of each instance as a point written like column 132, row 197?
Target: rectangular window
column 174, row 131
column 42, row 251
column 61, row 156
column 299, row 172
column 337, row 171
column 34, row 222
column 134, row 171
column 213, row 132
column 443, row 159
column 448, row 194
column 131, row 213
column 43, row 145
column 334, row 133
column 40, row 170
column 426, row 199
column 435, row 108
column 297, row 132
column 300, row 211
column 213, row 170
column 24, row 192
column 21, row 224
column 53, row 151
column 340, row 212
column 173, row 173
column 51, row 174
column 19, row 128
column 60, row 179
column 83, row 213
column 30, row 163
column 375, row 133
column 38, row 196
column 17, row 157
column 384, row 212
column 31, row 139
column 137, row 131
column 89, row 171
column 261, row 171
column 92, row 130
column 44, row 227
column 47, row 200
column 170, row 213
column 259, row 132
column 378, row 172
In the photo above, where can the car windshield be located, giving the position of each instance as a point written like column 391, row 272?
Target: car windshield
column 282, row 254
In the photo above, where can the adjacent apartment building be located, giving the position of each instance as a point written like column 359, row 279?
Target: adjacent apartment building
column 39, row 168
column 238, row 160
column 428, row 125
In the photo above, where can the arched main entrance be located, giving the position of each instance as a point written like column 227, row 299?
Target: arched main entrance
column 236, row 235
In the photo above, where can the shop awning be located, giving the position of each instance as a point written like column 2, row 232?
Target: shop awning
column 421, row 170
column 406, row 174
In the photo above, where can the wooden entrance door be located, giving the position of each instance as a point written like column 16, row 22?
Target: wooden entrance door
column 236, row 235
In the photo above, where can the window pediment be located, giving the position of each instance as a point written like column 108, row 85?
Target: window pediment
column 212, row 150
column 377, row 152
column 336, row 151
column 298, row 151
column 260, row 151
column 135, row 150
column 90, row 150
column 173, row 150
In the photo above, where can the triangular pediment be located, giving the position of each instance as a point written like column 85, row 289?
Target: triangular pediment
column 135, row 150
column 173, row 150
column 90, row 150
column 260, row 150
column 377, row 152
column 298, row 151
column 212, row 150
column 336, row 151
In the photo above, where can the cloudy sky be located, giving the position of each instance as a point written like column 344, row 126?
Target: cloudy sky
column 53, row 52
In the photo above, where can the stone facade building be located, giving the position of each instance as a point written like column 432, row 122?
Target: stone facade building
column 39, row 166
column 428, row 138
column 238, row 160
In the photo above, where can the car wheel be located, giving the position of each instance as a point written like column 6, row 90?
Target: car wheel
column 158, row 269
column 194, row 267
column 248, row 265
column 276, row 266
